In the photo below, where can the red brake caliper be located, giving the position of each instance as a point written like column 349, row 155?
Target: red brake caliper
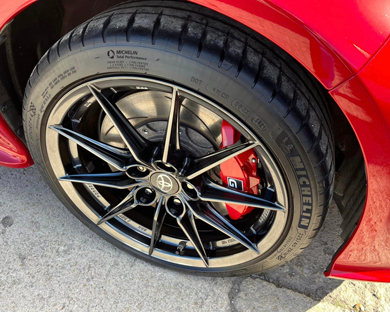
column 239, row 172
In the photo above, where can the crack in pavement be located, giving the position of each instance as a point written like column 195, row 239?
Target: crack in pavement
column 278, row 284
column 234, row 291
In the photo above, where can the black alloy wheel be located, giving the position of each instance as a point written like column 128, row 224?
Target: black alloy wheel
column 157, row 155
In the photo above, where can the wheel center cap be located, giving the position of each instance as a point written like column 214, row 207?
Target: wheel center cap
column 164, row 183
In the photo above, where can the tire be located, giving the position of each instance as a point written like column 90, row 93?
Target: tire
column 226, row 70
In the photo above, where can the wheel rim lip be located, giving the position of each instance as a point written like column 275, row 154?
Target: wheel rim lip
column 57, row 115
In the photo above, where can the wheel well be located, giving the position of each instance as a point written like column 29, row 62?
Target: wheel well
column 45, row 21
column 350, row 179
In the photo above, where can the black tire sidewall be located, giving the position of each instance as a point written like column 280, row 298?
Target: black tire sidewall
column 201, row 75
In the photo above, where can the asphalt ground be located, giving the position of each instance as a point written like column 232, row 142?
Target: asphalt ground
column 49, row 261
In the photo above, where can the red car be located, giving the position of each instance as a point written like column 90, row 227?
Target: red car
column 207, row 136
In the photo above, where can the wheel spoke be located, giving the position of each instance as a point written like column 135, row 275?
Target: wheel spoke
column 129, row 134
column 164, row 172
column 125, row 205
column 187, row 223
column 212, row 160
column 114, row 156
column 217, row 193
column 117, row 180
column 216, row 220
column 172, row 135
column 158, row 221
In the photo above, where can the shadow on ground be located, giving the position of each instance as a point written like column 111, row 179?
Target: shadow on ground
column 304, row 274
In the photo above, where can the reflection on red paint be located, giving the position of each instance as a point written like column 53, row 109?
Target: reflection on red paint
column 9, row 9
column 332, row 39
column 365, row 101
column 12, row 151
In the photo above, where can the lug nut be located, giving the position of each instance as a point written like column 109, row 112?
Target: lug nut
column 142, row 169
column 190, row 186
column 177, row 201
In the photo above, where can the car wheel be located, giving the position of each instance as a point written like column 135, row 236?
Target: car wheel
column 183, row 139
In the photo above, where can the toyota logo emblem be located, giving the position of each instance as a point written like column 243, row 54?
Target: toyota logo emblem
column 164, row 183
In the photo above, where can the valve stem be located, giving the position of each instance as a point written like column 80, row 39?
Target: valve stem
column 180, row 248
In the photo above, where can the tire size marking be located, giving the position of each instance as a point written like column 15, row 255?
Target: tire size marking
column 284, row 254
column 46, row 95
column 31, row 112
column 128, row 65
column 60, row 77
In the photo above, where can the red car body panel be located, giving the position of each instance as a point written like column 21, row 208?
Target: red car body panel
column 338, row 43
column 365, row 101
column 9, row 9
column 13, row 153
column 332, row 39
